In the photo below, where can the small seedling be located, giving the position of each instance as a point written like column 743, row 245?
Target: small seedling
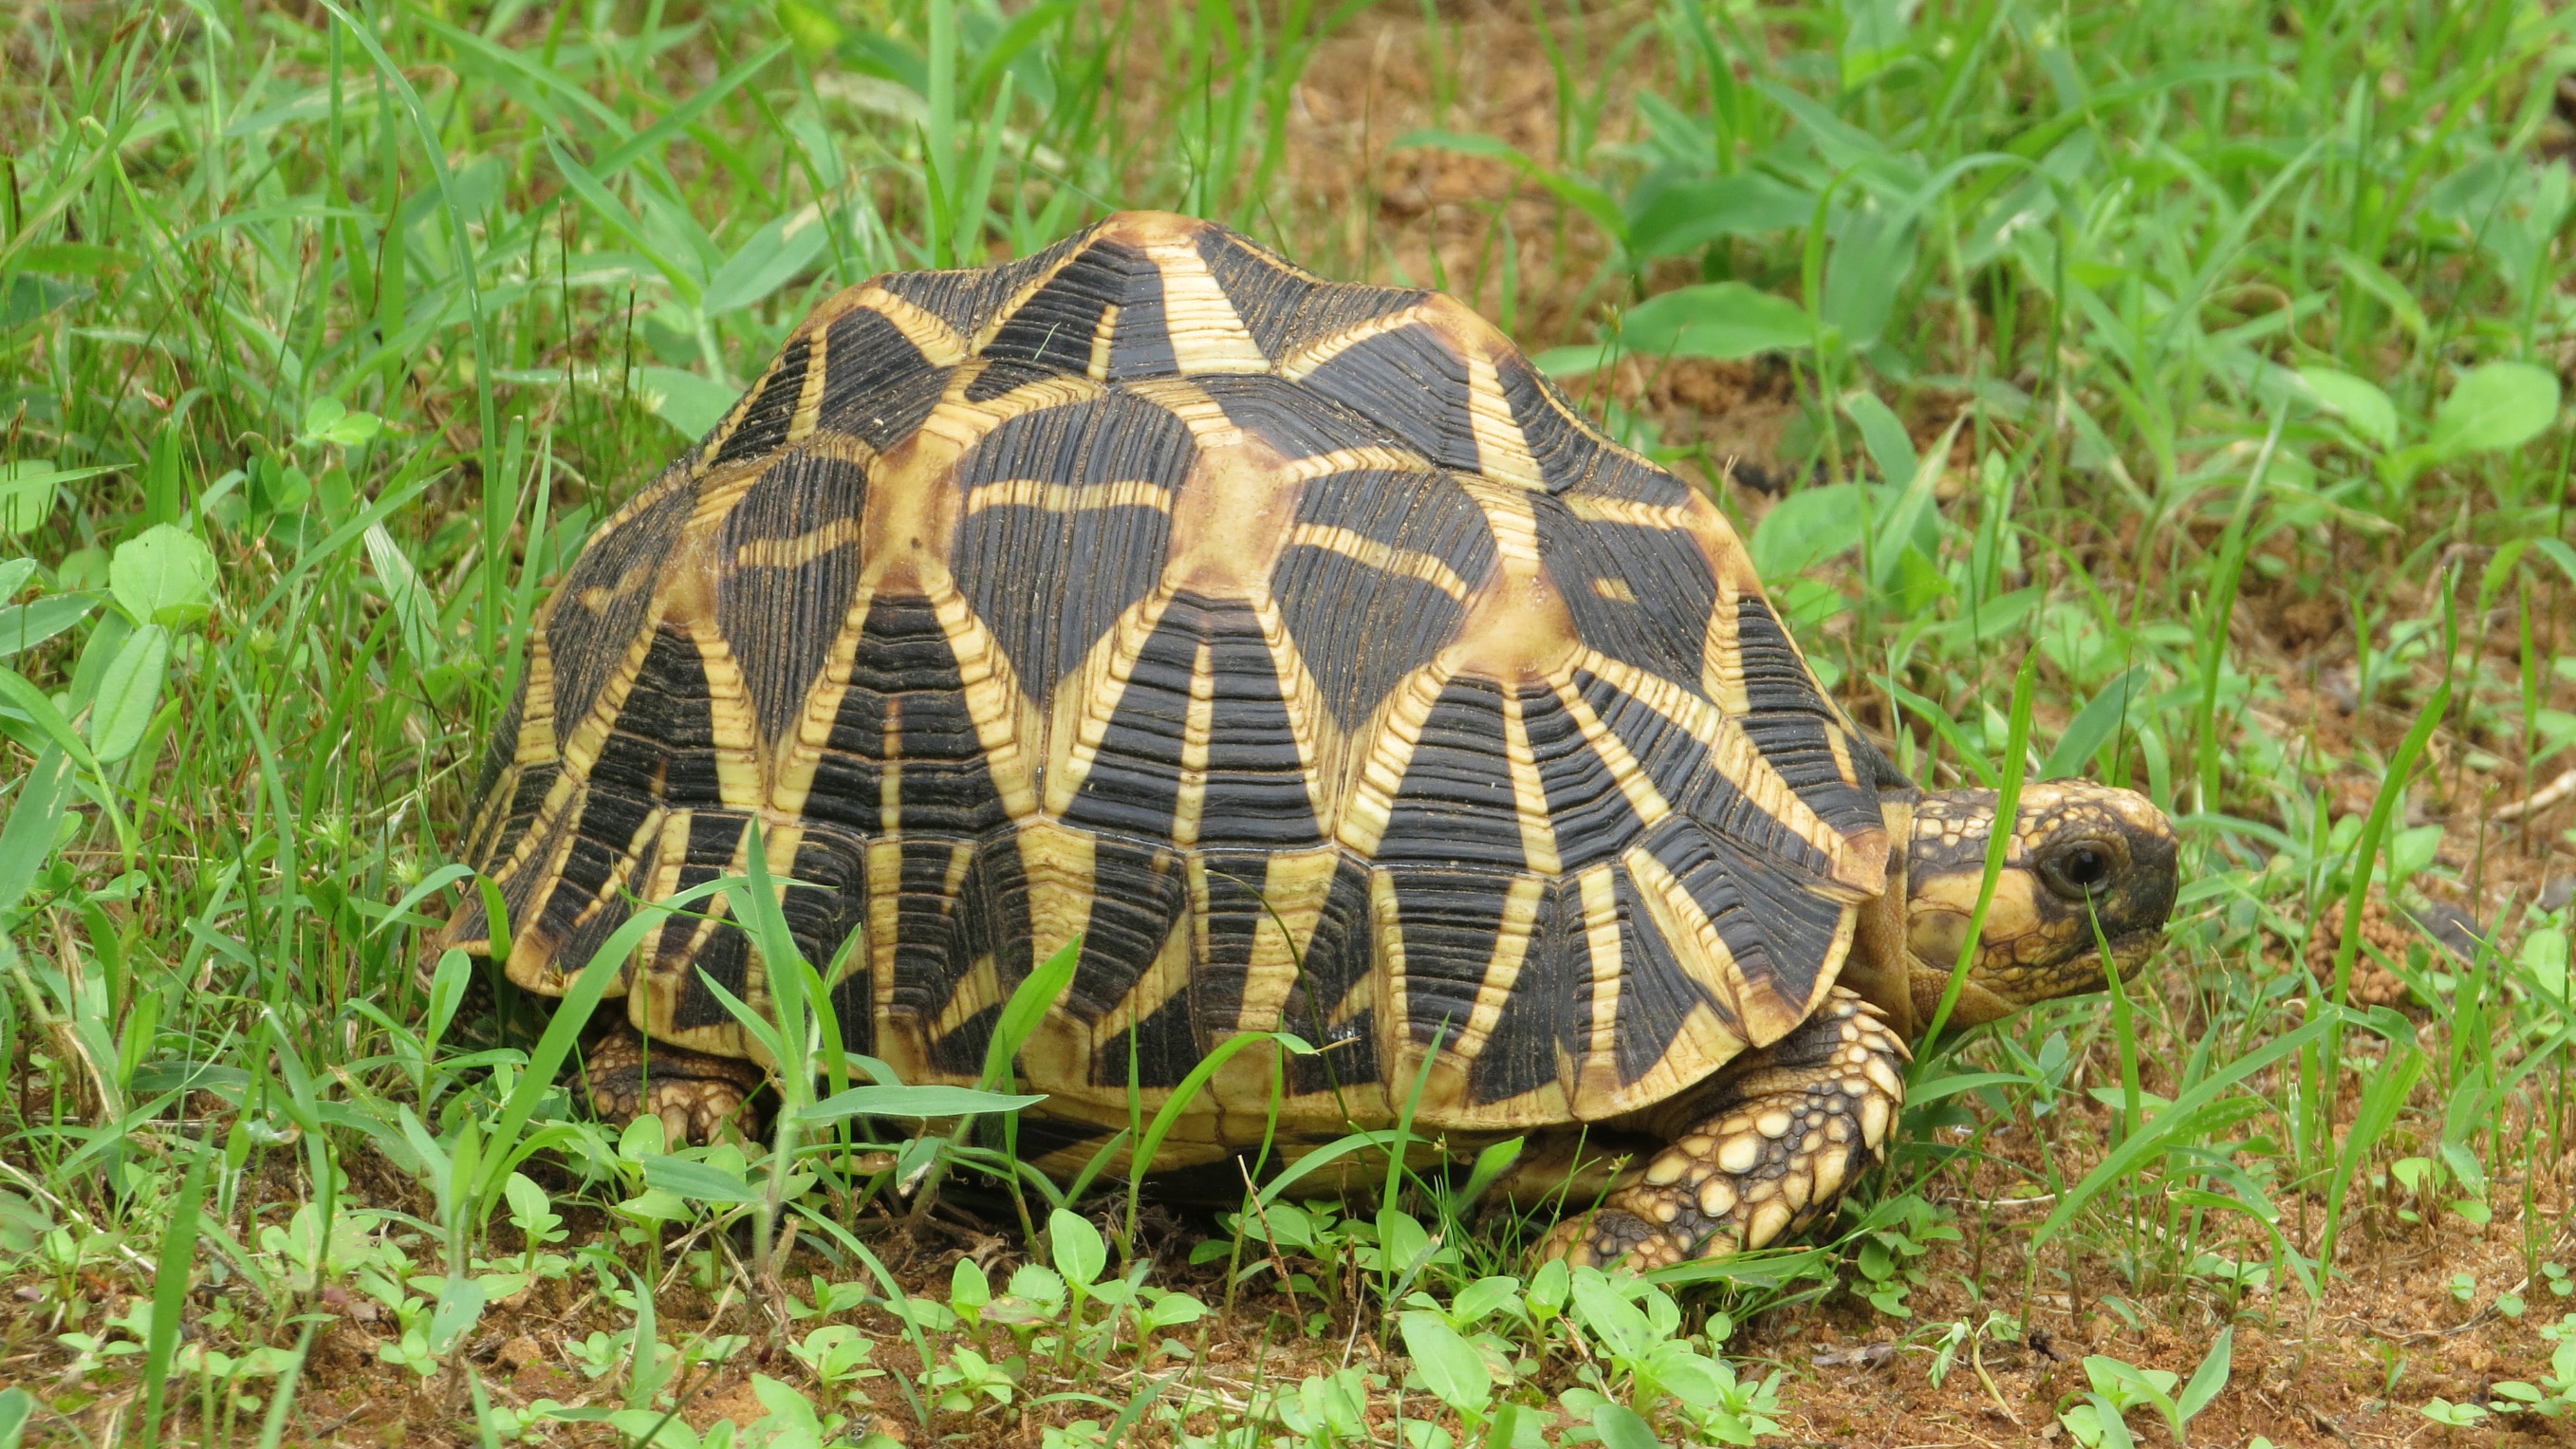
column 2099, row 1423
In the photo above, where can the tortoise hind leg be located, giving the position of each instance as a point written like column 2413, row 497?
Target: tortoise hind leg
column 700, row 1098
column 1793, row 1123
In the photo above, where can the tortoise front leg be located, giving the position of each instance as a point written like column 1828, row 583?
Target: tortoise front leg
column 698, row 1097
column 1794, row 1122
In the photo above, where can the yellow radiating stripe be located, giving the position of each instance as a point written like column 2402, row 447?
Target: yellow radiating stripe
column 1501, row 450
column 1721, row 669
column 1529, row 792
column 1207, row 334
column 936, row 341
column 1297, row 366
column 1190, row 797
column 1068, row 497
column 1317, row 735
column 1521, row 902
column 537, row 720
column 1393, row 992
column 1002, row 315
column 579, row 746
column 1385, row 757
column 1103, row 338
column 1360, row 548
column 980, row 988
column 1841, row 744
column 1709, row 1033
column 1673, row 518
column 1732, row 755
column 532, row 957
column 890, row 777
column 1090, row 696
column 1294, row 886
column 992, row 693
column 809, row 399
column 740, row 775
column 1556, row 404
column 796, row 552
column 1596, row 1076
column 801, row 753
column 1204, row 416
column 559, row 972
column 885, row 918
column 1369, row 459
column 1643, row 798
column 1167, row 977
column 962, row 424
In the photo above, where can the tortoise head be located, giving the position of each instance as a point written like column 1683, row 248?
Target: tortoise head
column 2088, row 866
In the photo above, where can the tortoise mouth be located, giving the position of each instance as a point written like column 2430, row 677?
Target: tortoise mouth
column 2131, row 950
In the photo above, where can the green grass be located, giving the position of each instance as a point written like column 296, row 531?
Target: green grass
column 325, row 342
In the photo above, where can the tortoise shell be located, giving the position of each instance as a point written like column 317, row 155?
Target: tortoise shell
column 1295, row 645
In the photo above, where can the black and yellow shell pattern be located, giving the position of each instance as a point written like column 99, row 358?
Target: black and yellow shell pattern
column 1294, row 644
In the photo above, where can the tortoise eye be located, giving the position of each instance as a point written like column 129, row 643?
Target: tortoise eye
column 2078, row 869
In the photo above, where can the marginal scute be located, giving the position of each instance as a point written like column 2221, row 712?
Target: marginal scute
column 1296, row 645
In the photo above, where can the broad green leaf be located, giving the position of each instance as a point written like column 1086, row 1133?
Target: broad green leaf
column 24, row 626
column 129, row 694
column 16, row 1405
column 2094, row 725
column 1621, row 1427
column 1720, row 320
column 1808, row 527
column 1676, row 219
column 20, row 694
column 415, row 607
column 1078, row 1250
column 1450, row 1366
column 28, row 489
column 2375, row 279
column 1871, row 262
column 1403, row 1238
column 2364, row 408
column 2501, row 405
column 14, row 575
column 460, row 1307
column 1883, row 433
column 968, row 1288
column 773, row 255
column 686, row 401
column 926, row 1101
column 329, row 420
column 697, row 1181
column 2210, row 1377
column 1485, row 1297
column 163, row 575
column 27, row 840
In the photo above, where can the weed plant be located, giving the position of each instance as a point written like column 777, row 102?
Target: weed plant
column 2168, row 394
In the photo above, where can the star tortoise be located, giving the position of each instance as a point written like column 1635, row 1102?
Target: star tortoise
column 1304, row 653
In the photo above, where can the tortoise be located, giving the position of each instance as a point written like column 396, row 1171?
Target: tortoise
column 1303, row 653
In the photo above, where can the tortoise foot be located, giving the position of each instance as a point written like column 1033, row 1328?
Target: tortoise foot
column 700, row 1098
column 1795, row 1123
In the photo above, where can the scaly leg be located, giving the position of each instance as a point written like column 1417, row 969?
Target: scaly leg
column 698, row 1097
column 1794, row 1122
